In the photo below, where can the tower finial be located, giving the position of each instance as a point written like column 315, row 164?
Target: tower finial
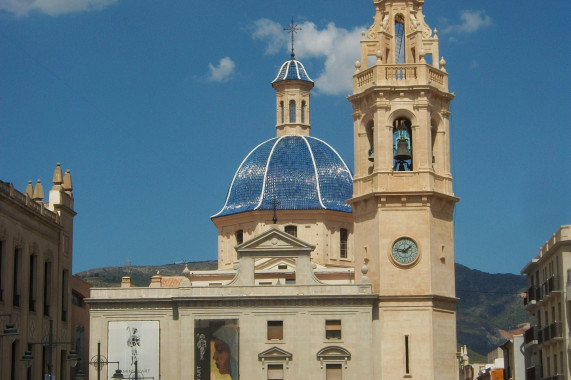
column 292, row 29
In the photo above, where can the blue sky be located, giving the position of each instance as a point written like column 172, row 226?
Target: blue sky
column 152, row 105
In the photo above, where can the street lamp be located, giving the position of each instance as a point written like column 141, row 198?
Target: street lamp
column 72, row 357
column 100, row 361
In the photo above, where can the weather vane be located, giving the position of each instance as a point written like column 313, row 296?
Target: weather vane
column 292, row 29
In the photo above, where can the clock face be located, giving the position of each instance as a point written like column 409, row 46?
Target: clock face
column 405, row 251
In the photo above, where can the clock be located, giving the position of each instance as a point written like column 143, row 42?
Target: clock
column 404, row 252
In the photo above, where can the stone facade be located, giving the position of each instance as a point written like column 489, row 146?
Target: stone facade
column 318, row 292
column 35, row 267
column 547, row 301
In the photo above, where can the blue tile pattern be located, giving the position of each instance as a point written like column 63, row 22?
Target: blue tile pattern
column 292, row 70
column 290, row 173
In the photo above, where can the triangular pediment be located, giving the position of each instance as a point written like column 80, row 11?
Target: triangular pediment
column 275, row 353
column 275, row 243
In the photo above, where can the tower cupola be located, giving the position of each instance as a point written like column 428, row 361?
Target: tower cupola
column 292, row 85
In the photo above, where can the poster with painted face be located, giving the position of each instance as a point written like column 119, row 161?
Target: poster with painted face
column 134, row 344
column 216, row 349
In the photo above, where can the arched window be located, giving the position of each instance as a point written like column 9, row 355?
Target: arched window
column 239, row 236
column 399, row 39
column 292, row 111
column 292, row 230
column 303, row 111
column 371, row 152
column 402, row 145
column 343, row 243
column 282, row 111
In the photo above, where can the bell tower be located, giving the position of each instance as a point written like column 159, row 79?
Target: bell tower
column 403, row 201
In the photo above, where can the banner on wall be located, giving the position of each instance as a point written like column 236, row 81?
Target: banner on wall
column 216, row 349
column 134, row 344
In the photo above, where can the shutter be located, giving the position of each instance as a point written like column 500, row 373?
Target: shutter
column 275, row 372
column 333, row 372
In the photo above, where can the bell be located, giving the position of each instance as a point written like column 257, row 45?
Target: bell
column 371, row 155
column 402, row 151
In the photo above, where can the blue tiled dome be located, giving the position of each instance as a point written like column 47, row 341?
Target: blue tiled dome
column 290, row 173
column 292, row 70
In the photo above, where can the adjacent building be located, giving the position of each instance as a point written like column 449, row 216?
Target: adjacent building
column 547, row 341
column 321, row 274
column 36, row 239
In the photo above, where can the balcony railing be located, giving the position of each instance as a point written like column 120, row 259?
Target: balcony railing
column 403, row 74
column 530, row 335
column 533, row 294
column 554, row 377
column 554, row 330
column 537, row 293
column 533, row 373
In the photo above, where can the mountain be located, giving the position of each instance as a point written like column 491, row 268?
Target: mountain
column 490, row 309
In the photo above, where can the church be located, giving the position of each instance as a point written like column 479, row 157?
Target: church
column 322, row 274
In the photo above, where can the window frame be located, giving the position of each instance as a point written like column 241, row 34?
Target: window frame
column 343, row 243
column 291, row 229
column 334, row 325
column 274, row 364
column 275, row 328
column 292, row 109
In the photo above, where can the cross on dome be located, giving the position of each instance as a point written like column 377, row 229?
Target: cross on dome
column 292, row 29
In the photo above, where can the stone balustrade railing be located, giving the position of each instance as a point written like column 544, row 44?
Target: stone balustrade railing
column 401, row 75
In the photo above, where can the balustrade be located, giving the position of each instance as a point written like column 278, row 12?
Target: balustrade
column 530, row 335
column 404, row 74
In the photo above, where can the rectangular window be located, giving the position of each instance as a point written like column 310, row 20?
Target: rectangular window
column 275, row 330
column 32, row 283
column 29, row 372
column 14, row 361
column 63, row 364
column 16, row 291
column 1, row 270
column 406, row 355
column 239, row 237
column 275, row 371
column 333, row 329
column 333, row 372
column 64, row 294
column 292, row 230
column 47, row 287
column 343, row 243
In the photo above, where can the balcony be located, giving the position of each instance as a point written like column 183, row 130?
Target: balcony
column 533, row 295
column 530, row 336
column 402, row 75
column 549, row 287
column 533, row 373
column 553, row 331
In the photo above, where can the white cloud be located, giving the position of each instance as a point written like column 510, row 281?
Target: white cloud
column 338, row 47
column 52, row 7
column 472, row 21
column 223, row 72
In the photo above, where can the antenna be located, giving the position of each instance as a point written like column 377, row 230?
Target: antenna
column 292, row 29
